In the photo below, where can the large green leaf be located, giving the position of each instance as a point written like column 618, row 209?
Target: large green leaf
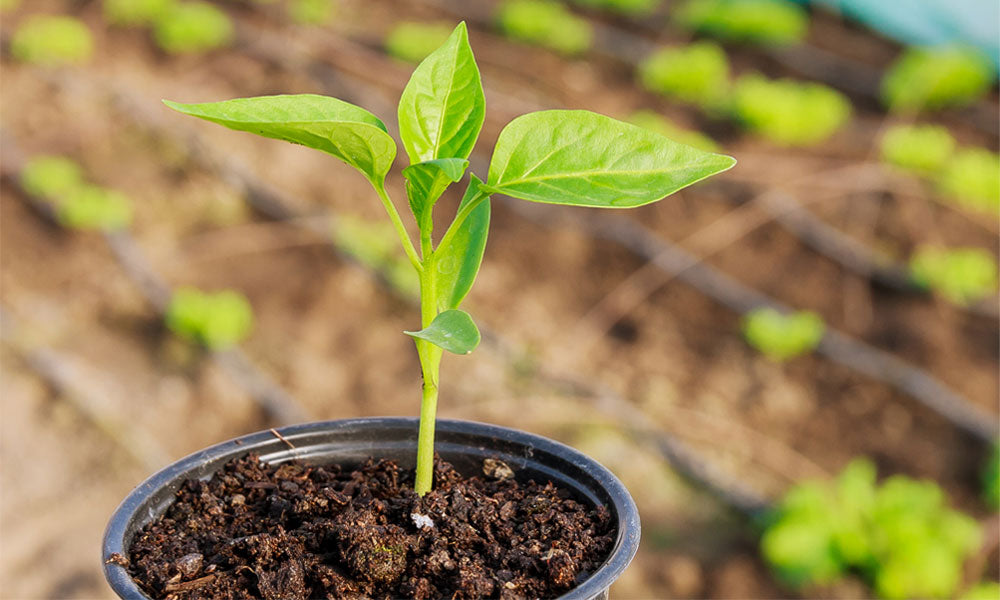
column 442, row 107
column 426, row 181
column 348, row 132
column 452, row 330
column 457, row 262
column 582, row 158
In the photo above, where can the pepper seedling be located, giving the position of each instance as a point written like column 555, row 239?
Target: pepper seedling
column 568, row 157
column 933, row 78
column 311, row 12
column 633, row 8
column 923, row 149
column 217, row 320
column 52, row 41
column 136, row 12
column 961, row 275
column 193, row 27
column 77, row 204
column 413, row 42
column 972, row 179
column 697, row 74
column 545, row 23
column 901, row 535
column 789, row 112
column 781, row 337
column 767, row 22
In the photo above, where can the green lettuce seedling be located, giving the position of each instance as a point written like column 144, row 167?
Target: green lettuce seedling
column 698, row 74
column 52, row 41
column 575, row 158
column 77, row 204
column 789, row 112
column 545, row 23
column 972, row 179
column 991, row 477
column 772, row 22
column 311, row 12
column 193, row 27
column 900, row 536
column 136, row 12
column 935, row 78
column 923, row 149
column 987, row 590
column 376, row 246
column 960, row 275
column 779, row 336
column 412, row 42
column 623, row 7
column 90, row 207
column 216, row 321
column 653, row 121
column 51, row 177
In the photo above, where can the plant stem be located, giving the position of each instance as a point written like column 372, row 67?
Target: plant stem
column 404, row 237
column 430, row 365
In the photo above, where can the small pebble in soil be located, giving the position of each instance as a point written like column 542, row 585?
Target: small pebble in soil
column 295, row 531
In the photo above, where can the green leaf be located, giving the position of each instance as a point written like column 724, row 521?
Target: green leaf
column 442, row 107
column 348, row 132
column 780, row 336
column 457, row 263
column 426, row 181
column 582, row 158
column 452, row 330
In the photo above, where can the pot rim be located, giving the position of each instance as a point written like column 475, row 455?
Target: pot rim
column 619, row 500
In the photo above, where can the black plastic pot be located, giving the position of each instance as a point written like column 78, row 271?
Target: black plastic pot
column 464, row 444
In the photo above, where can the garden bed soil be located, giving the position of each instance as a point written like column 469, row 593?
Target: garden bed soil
column 298, row 531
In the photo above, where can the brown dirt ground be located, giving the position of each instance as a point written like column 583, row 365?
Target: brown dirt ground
column 328, row 333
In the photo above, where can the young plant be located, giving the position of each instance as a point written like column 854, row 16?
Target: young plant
column 545, row 23
column 901, row 536
column 789, row 112
column 412, row 42
column 52, row 41
column 575, row 158
column 136, row 12
column 961, row 275
column 653, row 121
column 51, row 177
column 216, row 321
column 771, row 22
column 624, row 7
column 927, row 79
column 311, row 12
column 90, row 207
column 77, row 204
column 972, row 179
column 923, row 149
column 781, row 337
column 697, row 74
column 193, row 27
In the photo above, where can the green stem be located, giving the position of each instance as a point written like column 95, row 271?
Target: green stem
column 430, row 365
column 404, row 237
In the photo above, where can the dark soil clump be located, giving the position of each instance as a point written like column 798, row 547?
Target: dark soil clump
column 298, row 531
